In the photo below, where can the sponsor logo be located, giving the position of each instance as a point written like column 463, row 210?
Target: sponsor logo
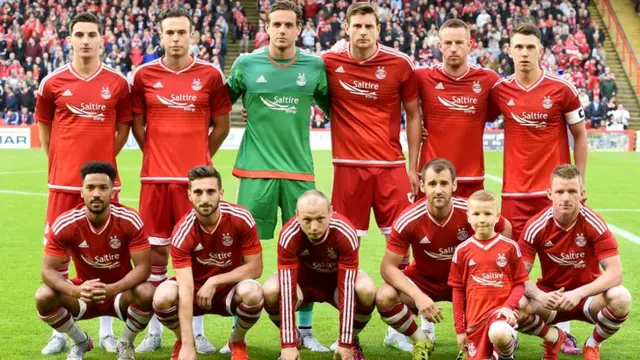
column 425, row 240
column 476, row 87
column 439, row 86
column 471, row 349
column 105, row 93
column 511, row 103
column 180, row 101
column 361, row 88
column 472, row 262
column 443, row 254
column 158, row 85
column 462, row 234
column 198, row 248
column 282, row 103
column 222, row 259
column 196, row 84
column 67, row 93
column 261, row 80
column 88, row 111
column 531, row 119
column 324, row 266
column 301, row 80
column 305, row 252
column 381, row 73
column 84, row 244
column 548, row 244
column 501, row 260
column 493, row 279
column 340, row 69
column 581, row 240
column 114, row 242
column 226, row 239
column 547, row 103
column 575, row 260
column 107, row 261
column 331, row 253
column 460, row 103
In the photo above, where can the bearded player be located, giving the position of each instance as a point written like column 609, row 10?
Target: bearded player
column 80, row 98
column 181, row 117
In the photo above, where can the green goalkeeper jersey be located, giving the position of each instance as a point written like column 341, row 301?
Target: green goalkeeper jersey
column 277, row 95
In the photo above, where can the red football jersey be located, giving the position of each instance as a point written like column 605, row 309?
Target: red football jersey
column 455, row 111
column 366, row 102
column 487, row 271
column 178, row 107
column 83, row 113
column 535, row 125
column 334, row 258
column 216, row 252
column 102, row 253
column 569, row 257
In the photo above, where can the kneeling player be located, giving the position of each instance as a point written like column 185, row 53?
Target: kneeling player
column 572, row 242
column 318, row 262
column 487, row 276
column 103, row 239
column 222, row 240
column 433, row 227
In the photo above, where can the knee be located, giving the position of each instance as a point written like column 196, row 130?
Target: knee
column 250, row 292
column 144, row 294
column 619, row 300
column 45, row 296
column 366, row 291
column 500, row 333
column 165, row 296
column 271, row 291
column 386, row 297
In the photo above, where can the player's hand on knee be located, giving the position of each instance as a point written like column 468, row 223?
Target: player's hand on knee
column 343, row 353
column 92, row 291
column 205, row 295
column 550, row 300
column 187, row 353
column 290, row 353
column 428, row 308
column 569, row 300
column 508, row 314
column 461, row 339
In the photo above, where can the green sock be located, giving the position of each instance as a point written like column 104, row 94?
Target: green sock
column 305, row 317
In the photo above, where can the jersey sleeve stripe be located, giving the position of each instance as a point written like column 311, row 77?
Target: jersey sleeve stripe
column 349, row 233
column 391, row 51
column 503, row 80
column 534, row 226
column 129, row 215
column 454, row 258
column 593, row 220
column 65, row 216
column 402, row 224
column 563, row 81
column 288, row 233
column 287, row 321
column 399, row 223
column 46, row 78
column 237, row 212
column 66, row 222
column 224, row 79
column 137, row 70
column 515, row 244
column 348, row 310
column 184, row 229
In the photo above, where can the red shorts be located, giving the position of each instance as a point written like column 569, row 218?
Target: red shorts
column 580, row 312
column 357, row 189
column 59, row 202
column 161, row 207
column 464, row 190
column 478, row 345
column 222, row 302
column 110, row 307
column 519, row 211
column 437, row 291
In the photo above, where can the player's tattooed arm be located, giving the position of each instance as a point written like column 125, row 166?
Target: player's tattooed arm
column 612, row 276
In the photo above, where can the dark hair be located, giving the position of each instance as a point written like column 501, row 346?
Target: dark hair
column 362, row 8
column 455, row 24
column 85, row 17
column 98, row 167
column 174, row 13
column 566, row 171
column 286, row 5
column 527, row 29
column 439, row 165
column 203, row 172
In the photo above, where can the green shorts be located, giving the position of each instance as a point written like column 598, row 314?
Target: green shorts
column 262, row 197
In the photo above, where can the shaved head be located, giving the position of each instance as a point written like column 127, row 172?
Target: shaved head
column 313, row 212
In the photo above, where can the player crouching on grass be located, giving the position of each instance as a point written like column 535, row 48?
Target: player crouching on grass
column 572, row 242
column 487, row 276
column 216, row 255
column 103, row 239
column 318, row 262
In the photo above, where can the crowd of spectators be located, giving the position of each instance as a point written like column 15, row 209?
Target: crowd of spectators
column 33, row 40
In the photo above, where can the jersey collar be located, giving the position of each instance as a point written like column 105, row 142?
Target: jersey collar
column 324, row 238
column 215, row 227
column 527, row 89
column 435, row 221
column 466, row 72
column 486, row 244
column 90, row 77
column 375, row 53
column 98, row 231
column 193, row 61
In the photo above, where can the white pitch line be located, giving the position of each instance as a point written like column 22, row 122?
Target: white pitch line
column 22, row 172
column 28, row 193
column 616, row 230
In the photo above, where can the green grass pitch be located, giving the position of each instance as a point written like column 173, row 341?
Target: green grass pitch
column 612, row 181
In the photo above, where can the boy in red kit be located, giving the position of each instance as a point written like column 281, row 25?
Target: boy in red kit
column 487, row 276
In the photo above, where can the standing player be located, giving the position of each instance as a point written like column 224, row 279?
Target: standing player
column 370, row 84
column 455, row 107
column 103, row 239
column 79, row 108
column 176, row 99
column 537, row 107
column 277, row 84
column 318, row 262
column 487, row 277
column 217, row 255
column 572, row 242
column 433, row 228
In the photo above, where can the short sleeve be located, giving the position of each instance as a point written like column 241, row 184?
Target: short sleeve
column 56, row 244
column 123, row 109
column 219, row 100
column 493, row 111
column 181, row 249
column 605, row 245
column 519, row 273
column 572, row 108
column 527, row 243
column 138, row 102
column 45, row 103
column 408, row 84
column 250, row 243
column 398, row 242
column 139, row 239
